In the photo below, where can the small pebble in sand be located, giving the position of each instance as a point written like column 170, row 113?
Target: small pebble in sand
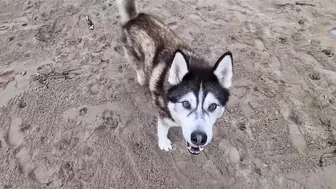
column 91, row 27
column 314, row 76
column 283, row 39
column 327, row 52
column 22, row 104
column 83, row 111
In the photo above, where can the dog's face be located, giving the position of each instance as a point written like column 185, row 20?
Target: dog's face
column 197, row 97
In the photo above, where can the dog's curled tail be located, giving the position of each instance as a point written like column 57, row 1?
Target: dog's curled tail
column 127, row 10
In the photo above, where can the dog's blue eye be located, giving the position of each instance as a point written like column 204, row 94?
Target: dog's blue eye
column 212, row 107
column 186, row 105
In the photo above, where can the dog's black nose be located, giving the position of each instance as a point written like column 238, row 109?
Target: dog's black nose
column 198, row 138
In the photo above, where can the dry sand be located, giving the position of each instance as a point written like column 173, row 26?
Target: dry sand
column 73, row 116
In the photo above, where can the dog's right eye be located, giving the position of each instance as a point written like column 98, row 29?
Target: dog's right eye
column 212, row 107
column 186, row 105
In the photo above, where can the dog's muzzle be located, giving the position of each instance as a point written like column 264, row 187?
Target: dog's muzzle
column 194, row 150
column 198, row 139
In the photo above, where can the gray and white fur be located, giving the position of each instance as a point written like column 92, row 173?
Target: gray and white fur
column 189, row 92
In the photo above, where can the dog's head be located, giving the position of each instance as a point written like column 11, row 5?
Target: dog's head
column 197, row 96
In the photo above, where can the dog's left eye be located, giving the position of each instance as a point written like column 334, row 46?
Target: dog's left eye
column 212, row 107
column 186, row 105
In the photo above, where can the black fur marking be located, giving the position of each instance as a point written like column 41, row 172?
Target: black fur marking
column 164, row 113
column 199, row 72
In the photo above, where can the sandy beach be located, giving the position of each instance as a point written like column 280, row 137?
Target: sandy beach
column 72, row 115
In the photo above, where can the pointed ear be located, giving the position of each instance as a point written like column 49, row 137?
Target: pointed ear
column 179, row 68
column 223, row 70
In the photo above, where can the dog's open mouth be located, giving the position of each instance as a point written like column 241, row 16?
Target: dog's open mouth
column 194, row 150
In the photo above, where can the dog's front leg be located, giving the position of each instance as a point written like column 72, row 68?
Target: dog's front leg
column 162, row 132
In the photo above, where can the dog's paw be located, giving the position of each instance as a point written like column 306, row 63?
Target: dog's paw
column 141, row 79
column 165, row 144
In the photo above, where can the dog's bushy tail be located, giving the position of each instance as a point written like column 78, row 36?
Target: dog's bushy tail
column 127, row 10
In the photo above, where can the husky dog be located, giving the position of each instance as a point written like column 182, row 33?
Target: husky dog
column 189, row 92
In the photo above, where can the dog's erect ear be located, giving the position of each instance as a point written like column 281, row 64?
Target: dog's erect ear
column 179, row 68
column 223, row 70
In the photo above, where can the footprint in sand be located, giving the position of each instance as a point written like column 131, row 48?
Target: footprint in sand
column 210, row 168
column 14, row 134
column 290, row 183
column 230, row 152
column 295, row 119
column 93, row 87
column 44, row 174
column 110, row 118
column 23, row 160
column 297, row 138
column 260, row 45
column 11, row 85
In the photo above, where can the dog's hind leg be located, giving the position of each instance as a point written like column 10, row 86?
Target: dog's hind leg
column 137, row 64
column 154, row 83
